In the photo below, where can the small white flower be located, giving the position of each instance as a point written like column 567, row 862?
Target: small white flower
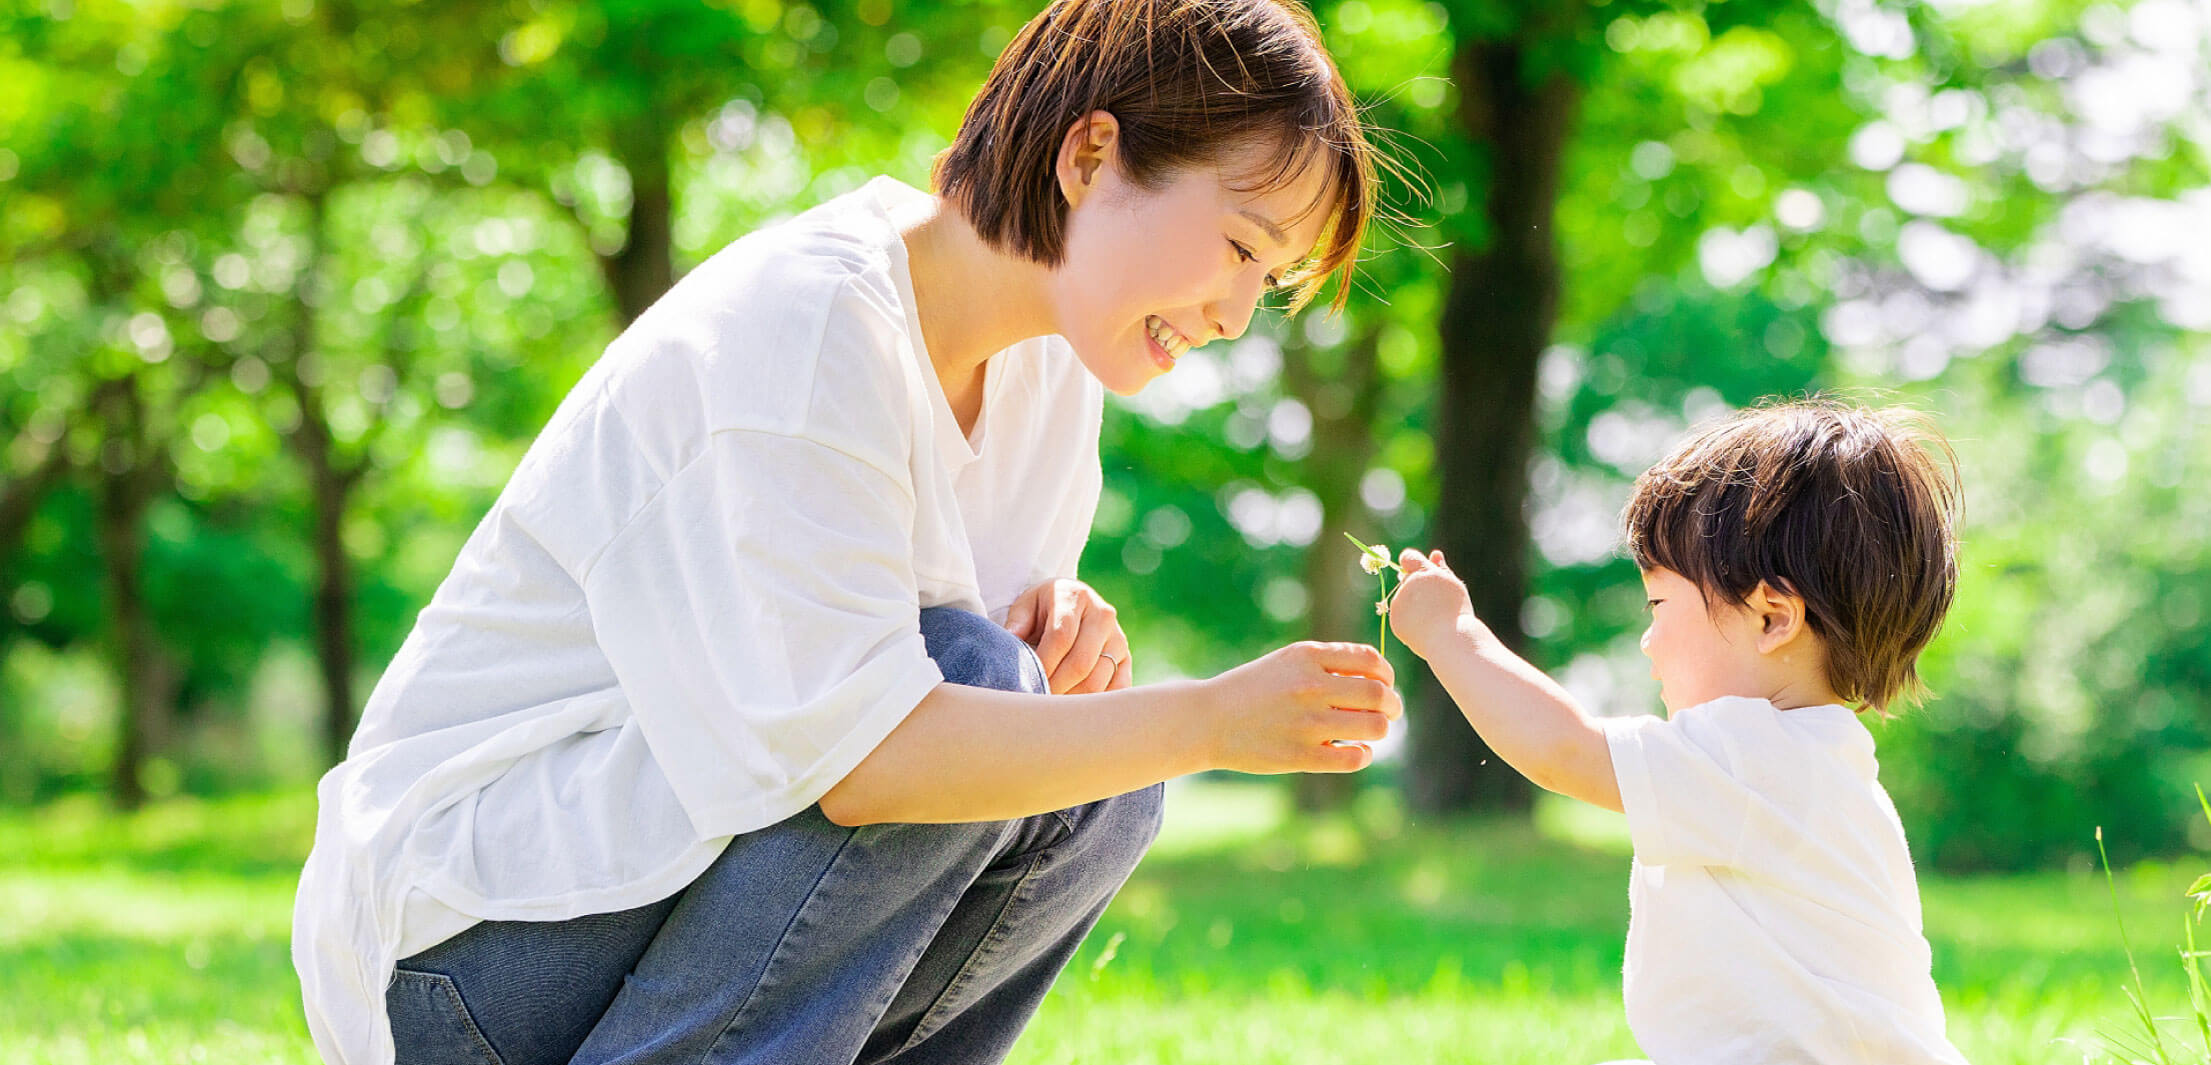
column 1382, row 608
column 1375, row 559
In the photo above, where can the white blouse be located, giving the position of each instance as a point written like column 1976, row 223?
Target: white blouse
column 694, row 608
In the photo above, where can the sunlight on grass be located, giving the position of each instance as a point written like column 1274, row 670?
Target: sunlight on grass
column 1250, row 935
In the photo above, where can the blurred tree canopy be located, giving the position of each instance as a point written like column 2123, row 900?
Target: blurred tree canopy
column 288, row 288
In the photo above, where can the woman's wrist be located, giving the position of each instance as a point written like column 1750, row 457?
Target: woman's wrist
column 1188, row 709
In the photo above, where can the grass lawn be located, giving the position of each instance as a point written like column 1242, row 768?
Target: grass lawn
column 1246, row 937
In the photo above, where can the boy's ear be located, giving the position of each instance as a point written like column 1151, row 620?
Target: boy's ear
column 1780, row 614
column 1088, row 145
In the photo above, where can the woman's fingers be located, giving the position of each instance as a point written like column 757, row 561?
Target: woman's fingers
column 1096, row 628
column 1362, row 693
column 1340, row 758
column 1111, row 672
column 1351, row 659
column 1078, row 637
column 1124, row 675
column 1060, row 627
column 1355, row 725
column 1021, row 616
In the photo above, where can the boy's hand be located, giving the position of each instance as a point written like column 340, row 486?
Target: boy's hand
column 1430, row 604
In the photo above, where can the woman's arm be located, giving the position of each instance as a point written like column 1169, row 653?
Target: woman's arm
column 973, row 754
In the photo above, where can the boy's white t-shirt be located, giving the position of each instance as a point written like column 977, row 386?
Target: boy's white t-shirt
column 1775, row 919
column 694, row 607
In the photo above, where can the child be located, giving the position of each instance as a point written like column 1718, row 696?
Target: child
column 1796, row 559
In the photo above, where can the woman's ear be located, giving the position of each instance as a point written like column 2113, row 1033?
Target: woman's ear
column 1086, row 149
column 1780, row 614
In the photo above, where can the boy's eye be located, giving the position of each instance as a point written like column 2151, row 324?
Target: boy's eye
column 1652, row 604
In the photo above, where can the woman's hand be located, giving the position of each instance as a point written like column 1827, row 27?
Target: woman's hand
column 1283, row 713
column 1077, row 635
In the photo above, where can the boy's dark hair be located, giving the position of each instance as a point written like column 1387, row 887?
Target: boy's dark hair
column 1190, row 82
column 1851, row 509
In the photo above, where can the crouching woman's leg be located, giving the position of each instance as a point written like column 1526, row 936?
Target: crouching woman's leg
column 1019, row 922
column 812, row 942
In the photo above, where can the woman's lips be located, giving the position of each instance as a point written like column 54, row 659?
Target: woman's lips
column 1165, row 342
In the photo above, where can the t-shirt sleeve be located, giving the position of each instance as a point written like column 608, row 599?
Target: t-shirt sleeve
column 760, row 613
column 1685, row 803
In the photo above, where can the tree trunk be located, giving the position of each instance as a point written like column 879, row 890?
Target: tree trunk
column 330, row 483
column 128, row 468
column 1343, row 405
column 331, row 489
column 644, row 269
column 19, row 501
column 1497, row 320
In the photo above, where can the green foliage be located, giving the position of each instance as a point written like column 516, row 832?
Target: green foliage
column 404, row 222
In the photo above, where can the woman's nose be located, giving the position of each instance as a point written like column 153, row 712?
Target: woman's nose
column 1231, row 315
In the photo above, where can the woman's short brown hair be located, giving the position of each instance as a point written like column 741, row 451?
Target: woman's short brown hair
column 1189, row 81
column 1852, row 509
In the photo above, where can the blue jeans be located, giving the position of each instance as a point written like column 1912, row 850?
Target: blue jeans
column 805, row 941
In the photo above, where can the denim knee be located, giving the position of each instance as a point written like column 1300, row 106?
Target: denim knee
column 973, row 650
column 1113, row 833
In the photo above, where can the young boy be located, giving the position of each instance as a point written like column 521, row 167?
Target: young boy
column 1796, row 559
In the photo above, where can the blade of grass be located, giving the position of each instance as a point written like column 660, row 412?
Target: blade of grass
column 2199, row 998
column 2135, row 994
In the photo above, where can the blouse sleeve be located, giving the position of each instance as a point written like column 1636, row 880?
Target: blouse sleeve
column 760, row 615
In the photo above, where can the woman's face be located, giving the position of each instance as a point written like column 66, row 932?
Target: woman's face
column 1149, row 274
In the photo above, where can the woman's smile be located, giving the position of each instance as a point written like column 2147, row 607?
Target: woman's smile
column 1167, row 343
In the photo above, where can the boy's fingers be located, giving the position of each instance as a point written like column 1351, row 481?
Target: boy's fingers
column 1437, row 556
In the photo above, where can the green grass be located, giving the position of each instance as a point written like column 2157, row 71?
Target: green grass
column 1246, row 937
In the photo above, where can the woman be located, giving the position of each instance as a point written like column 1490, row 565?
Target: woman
column 696, row 755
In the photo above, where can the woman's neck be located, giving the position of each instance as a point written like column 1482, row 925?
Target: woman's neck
column 973, row 300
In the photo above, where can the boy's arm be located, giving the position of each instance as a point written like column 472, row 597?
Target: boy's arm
column 1523, row 715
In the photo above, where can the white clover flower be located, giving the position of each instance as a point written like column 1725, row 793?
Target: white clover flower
column 1375, row 558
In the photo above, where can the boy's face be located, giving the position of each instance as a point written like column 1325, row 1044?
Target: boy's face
column 1699, row 653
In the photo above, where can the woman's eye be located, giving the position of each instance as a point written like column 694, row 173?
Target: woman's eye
column 1652, row 604
column 1243, row 254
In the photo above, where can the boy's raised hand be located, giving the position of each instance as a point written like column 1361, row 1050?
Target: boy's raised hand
column 1430, row 604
